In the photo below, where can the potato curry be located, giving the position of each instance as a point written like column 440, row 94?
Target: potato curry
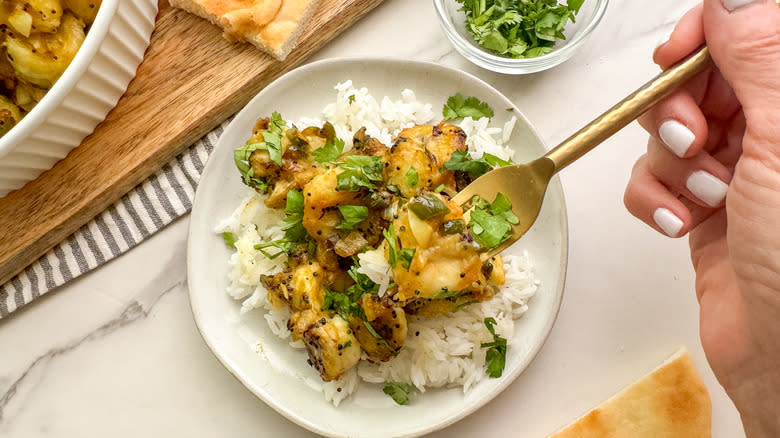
column 392, row 200
column 38, row 40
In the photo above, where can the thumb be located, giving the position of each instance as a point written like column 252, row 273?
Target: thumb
column 744, row 38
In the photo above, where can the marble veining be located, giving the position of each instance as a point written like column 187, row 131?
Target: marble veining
column 135, row 310
column 132, row 313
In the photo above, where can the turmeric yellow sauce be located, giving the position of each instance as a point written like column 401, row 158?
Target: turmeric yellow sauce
column 38, row 40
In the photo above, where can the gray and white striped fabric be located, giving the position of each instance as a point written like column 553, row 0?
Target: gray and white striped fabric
column 148, row 208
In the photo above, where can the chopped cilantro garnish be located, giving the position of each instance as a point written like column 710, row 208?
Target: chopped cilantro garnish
column 445, row 293
column 439, row 188
column 330, row 152
column 398, row 391
column 283, row 245
column 273, row 137
column 241, row 158
column 346, row 303
column 460, row 107
column 518, row 28
column 496, row 353
column 353, row 216
column 463, row 305
column 461, row 160
column 395, row 252
column 294, row 204
column 351, row 99
column 392, row 244
column 342, row 303
column 489, row 230
column 359, row 171
column 502, row 207
column 378, row 337
column 412, row 178
column 230, row 239
column 363, row 284
column 491, row 224
column 292, row 225
column 496, row 161
column 406, row 256
column 272, row 142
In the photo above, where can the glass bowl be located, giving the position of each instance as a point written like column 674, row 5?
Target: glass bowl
column 453, row 21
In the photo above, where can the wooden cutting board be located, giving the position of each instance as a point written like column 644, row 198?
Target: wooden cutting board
column 190, row 81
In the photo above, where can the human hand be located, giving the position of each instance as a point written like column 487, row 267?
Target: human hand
column 713, row 169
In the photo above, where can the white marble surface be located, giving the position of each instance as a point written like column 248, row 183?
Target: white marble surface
column 116, row 353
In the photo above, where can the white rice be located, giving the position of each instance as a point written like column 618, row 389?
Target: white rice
column 445, row 351
column 438, row 352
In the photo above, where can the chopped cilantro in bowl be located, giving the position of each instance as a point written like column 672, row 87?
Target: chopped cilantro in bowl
column 519, row 28
column 518, row 36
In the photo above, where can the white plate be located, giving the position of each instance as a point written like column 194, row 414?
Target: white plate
column 275, row 372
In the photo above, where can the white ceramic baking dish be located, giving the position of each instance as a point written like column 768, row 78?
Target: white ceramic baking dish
column 82, row 97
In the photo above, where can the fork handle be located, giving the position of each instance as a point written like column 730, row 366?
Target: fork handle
column 625, row 112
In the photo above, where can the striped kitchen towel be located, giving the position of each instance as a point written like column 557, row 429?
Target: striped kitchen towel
column 148, row 208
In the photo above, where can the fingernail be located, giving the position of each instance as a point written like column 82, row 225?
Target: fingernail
column 707, row 187
column 668, row 221
column 676, row 136
column 734, row 4
column 666, row 35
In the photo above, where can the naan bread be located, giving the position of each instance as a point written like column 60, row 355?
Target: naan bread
column 271, row 25
column 670, row 402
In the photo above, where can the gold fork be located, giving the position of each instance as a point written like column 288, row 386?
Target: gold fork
column 525, row 184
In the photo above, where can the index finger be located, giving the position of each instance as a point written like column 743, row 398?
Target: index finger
column 688, row 36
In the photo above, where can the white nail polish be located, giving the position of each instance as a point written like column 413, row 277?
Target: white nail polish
column 707, row 187
column 666, row 35
column 734, row 4
column 677, row 137
column 668, row 221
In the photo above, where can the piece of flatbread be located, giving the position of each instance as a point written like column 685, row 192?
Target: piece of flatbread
column 271, row 25
column 670, row 402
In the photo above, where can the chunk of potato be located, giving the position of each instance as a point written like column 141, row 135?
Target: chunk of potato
column 46, row 15
column 388, row 322
column 9, row 115
column 425, row 148
column 85, row 9
column 333, row 348
column 42, row 58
